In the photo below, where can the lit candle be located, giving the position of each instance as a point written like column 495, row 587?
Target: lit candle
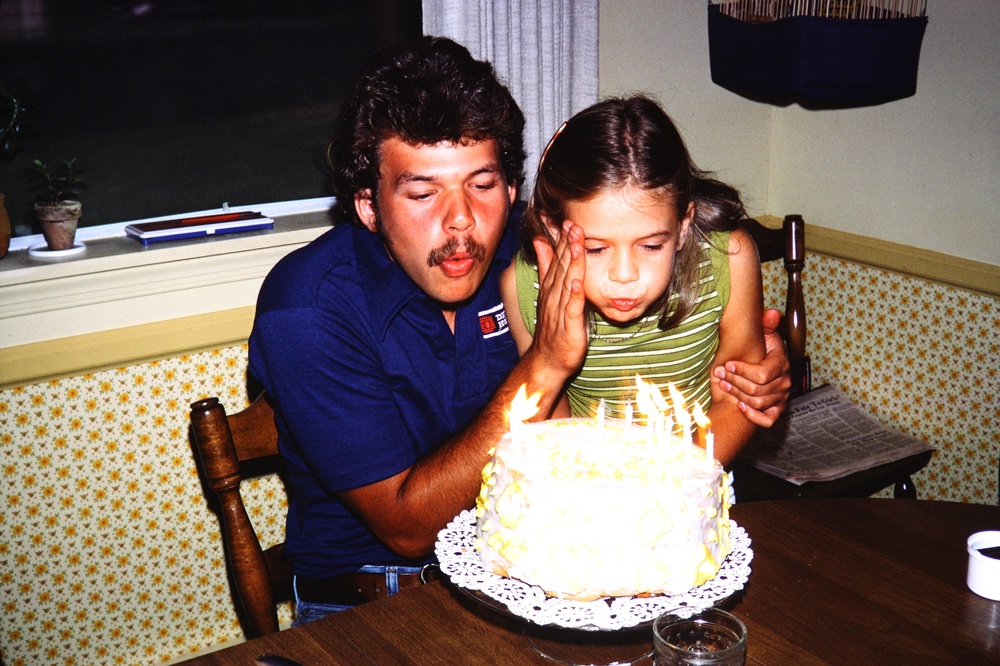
column 710, row 448
column 515, row 426
column 522, row 408
column 628, row 416
column 680, row 413
column 600, row 419
column 702, row 430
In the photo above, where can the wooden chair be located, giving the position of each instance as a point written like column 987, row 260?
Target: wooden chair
column 788, row 244
column 228, row 446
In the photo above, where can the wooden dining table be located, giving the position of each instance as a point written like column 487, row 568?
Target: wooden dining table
column 833, row 581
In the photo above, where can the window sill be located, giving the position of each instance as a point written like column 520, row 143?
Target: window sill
column 118, row 284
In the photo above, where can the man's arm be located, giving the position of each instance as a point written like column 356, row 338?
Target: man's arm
column 407, row 510
column 761, row 389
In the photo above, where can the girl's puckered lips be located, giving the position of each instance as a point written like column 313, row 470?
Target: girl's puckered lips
column 624, row 304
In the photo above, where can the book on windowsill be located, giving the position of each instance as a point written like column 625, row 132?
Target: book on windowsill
column 192, row 227
column 824, row 436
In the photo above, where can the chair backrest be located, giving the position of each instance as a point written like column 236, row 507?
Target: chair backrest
column 788, row 244
column 260, row 577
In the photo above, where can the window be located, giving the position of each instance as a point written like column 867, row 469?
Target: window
column 173, row 106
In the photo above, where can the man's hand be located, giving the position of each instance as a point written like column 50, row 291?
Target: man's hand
column 761, row 389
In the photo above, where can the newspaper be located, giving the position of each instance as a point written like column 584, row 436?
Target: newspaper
column 825, row 436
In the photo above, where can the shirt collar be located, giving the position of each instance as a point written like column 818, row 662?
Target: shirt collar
column 388, row 288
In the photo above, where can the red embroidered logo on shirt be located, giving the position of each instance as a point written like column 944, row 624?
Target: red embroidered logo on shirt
column 493, row 322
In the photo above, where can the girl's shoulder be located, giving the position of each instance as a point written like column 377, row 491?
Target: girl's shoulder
column 524, row 272
column 742, row 245
column 735, row 242
column 717, row 240
column 716, row 247
column 519, row 287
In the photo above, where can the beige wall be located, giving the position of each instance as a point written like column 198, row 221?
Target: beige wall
column 660, row 47
column 922, row 171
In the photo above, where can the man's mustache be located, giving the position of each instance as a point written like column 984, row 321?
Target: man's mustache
column 455, row 245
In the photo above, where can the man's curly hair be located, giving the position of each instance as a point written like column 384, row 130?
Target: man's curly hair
column 431, row 92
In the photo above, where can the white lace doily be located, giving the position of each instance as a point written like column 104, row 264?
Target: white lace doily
column 460, row 561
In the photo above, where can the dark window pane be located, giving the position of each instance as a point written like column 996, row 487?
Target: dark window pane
column 173, row 106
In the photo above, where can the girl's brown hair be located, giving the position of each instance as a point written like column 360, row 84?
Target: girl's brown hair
column 631, row 142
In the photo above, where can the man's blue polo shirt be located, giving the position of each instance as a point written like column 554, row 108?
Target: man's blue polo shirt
column 366, row 377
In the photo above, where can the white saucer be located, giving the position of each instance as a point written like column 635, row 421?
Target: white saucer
column 42, row 251
column 461, row 562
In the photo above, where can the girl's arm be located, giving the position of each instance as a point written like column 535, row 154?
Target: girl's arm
column 740, row 338
column 519, row 330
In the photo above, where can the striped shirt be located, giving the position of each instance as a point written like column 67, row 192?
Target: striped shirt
column 682, row 355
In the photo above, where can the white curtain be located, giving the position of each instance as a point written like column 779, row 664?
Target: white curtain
column 544, row 50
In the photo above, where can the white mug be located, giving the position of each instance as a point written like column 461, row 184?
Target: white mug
column 984, row 571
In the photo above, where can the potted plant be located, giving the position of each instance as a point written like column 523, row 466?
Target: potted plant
column 57, row 206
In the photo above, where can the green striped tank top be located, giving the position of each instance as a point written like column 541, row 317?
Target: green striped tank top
column 682, row 355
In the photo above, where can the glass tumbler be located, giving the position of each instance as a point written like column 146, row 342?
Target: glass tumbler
column 710, row 637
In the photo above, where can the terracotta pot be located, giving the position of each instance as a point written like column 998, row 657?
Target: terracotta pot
column 59, row 222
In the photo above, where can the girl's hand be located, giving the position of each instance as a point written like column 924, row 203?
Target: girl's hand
column 561, row 336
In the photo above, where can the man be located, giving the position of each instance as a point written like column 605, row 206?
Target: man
column 384, row 345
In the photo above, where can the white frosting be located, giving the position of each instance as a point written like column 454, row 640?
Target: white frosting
column 586, row 512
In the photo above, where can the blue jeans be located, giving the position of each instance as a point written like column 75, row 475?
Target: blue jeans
column 310, row 611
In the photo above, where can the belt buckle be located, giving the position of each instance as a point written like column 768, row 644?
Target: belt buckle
column 426, row 570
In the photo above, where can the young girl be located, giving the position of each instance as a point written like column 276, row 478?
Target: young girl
column 673, row 288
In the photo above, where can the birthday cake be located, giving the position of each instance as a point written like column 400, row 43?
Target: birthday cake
column 588, row 508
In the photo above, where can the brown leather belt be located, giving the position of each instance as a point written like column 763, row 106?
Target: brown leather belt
column 354, row 587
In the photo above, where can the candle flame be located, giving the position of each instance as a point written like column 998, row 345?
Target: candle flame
column 523, row 407
column 681, row 414
column 699, row 416
column 702, row 436
column 648, row 399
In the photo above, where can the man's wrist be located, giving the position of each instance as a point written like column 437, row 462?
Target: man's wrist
column 541, row 376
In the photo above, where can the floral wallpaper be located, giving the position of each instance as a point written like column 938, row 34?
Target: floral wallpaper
column 109, row 553
column 917, row 355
